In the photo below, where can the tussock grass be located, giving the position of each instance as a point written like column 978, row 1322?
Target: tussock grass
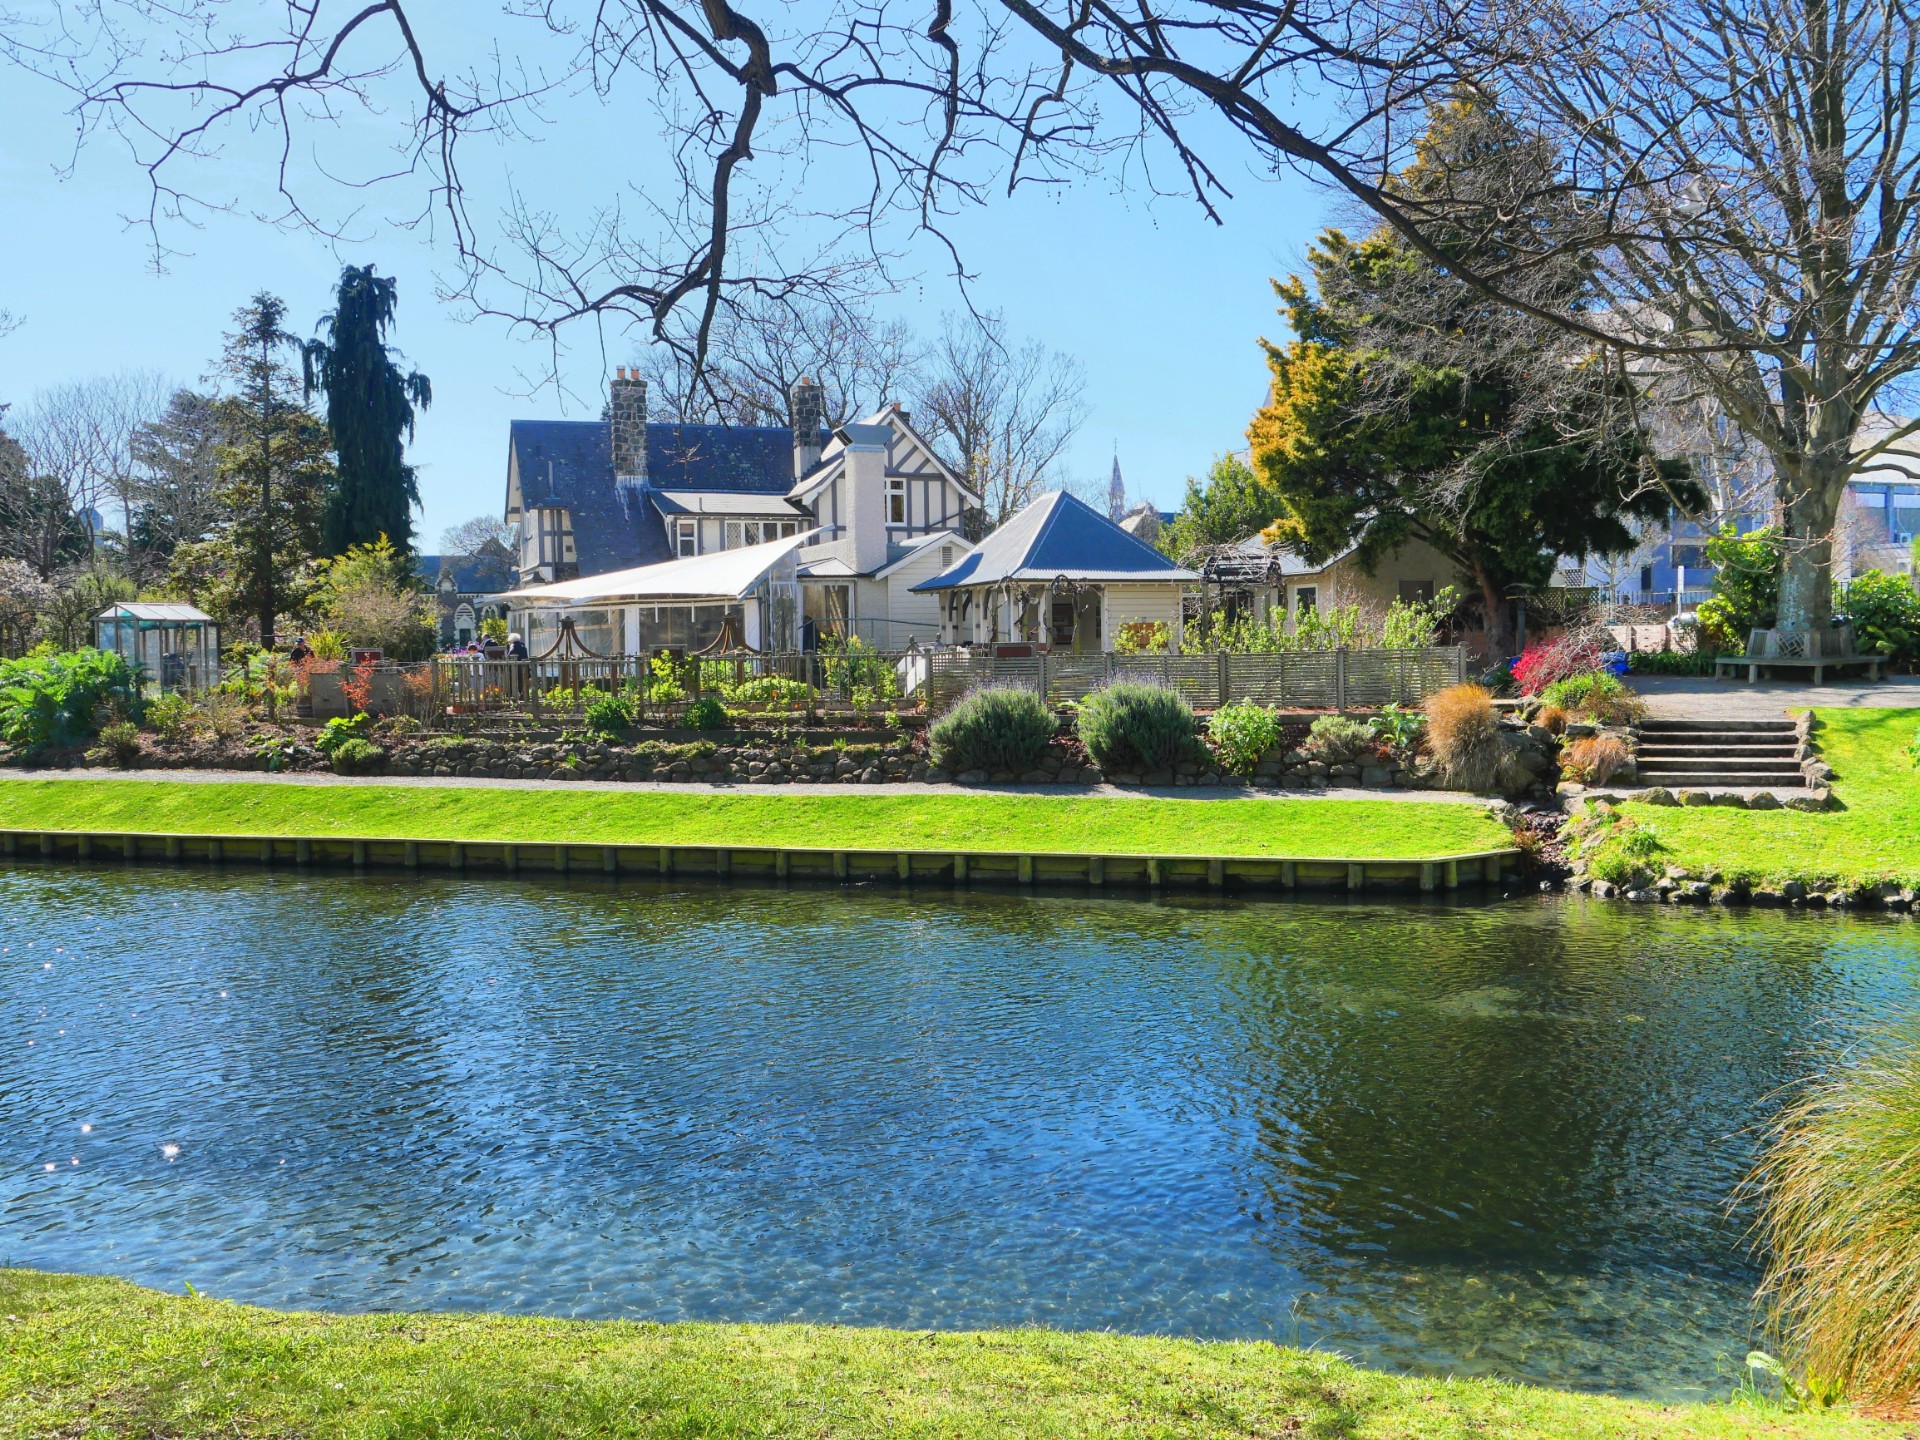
column 1839, row 1188
column 1463, row 734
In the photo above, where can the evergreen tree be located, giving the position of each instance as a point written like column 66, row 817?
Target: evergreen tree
column 275, row 476
column 370, row 407
column 176, row 492
column 1232, row 503
column 1410, row 407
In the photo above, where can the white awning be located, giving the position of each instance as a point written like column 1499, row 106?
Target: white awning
column 722, row 575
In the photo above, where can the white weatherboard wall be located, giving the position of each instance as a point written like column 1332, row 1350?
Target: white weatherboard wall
column 921, row 610
column 1140, row 604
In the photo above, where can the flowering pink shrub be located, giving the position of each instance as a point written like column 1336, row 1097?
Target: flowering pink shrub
column 1553, row 660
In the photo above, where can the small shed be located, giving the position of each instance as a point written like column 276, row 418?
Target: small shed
column 174, row 646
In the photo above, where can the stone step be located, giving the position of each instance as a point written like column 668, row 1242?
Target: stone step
column 1723, row 780
column 1665, row 726
column 1756, row 751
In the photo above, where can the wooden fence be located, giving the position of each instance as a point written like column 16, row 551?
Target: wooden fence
column 869, row 680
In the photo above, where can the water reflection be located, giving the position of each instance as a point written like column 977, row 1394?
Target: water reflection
column 1479, row 1140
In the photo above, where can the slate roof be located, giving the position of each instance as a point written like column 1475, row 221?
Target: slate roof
column 569, row 463
column 1057, row 537
column 472, row 574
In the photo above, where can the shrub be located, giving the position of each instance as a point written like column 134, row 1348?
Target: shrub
column 49, row 698
column 167, row 716
column 1142, row 637
column 1551, row 718
column 119, row 744
column 1596, row 696
column 1625, row 854
column 996, row 727
column 771, row 692
column 1463, row 736
column 1539, row 666
column 341, row 730
column 493, row 630
column 609, row 715
column 1338, row 740
column 372, row 594
column 1131, row 726
column 357, row 757
column 1840, row 1215
column 1746, row 588
column 1593, row 760
column 1397, row 727
column 1886, row 615
column 706, row 713
column 1672, row 662
column 328, row 645
column 1242, row 735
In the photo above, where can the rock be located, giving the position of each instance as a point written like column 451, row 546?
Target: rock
column 1793, row 890
column 1813, row 800
column 1642, row 897
column 1694, row 799
column 1377, row 776
column 1731, row 798
column 1763, row 800
column 1581, row 730
column 1656, row 795
column 1698, row 891
column 1571, row 789
column 1767, row 897
column 971, row 777
column 1604, row 889
column 1036, row 777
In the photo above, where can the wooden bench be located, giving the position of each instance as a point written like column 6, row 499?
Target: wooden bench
column 1818, row 664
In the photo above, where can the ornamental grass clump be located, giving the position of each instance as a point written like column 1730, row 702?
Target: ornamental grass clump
column 1463, row 736
column 993, row 728
column 1839, row 1193
column 1593, row 760
column 1242, row 735
column 1134, row 727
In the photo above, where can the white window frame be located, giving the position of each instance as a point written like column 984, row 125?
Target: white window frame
column 686, row 538
column 896, row 500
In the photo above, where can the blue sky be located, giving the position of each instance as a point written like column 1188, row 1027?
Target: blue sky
column 1161, row 307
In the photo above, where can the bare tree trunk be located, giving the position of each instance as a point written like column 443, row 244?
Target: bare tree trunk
column 1499, row 633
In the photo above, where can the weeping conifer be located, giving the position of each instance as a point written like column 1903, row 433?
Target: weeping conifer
column 370, row 410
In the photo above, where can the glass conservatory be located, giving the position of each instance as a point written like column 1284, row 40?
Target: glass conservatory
column 176, row 647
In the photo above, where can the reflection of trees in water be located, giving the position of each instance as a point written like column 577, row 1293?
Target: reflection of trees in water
column 1559, row 1089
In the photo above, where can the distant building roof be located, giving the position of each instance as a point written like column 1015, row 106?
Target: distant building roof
column 721, row 502
column 472, row 574
column 1058, row 538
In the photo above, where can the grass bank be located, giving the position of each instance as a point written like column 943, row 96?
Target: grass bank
column 89, row 1357
column 1874, row 837
column 1300, row 829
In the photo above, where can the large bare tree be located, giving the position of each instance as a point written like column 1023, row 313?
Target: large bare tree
column 1746, row 176
column 1004, row 410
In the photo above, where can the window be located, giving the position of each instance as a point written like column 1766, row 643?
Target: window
column 1646, row 579
column 946, row 556
column 1694, row 557
column 1305, row 598
column 686, row 538
column 896, row 499
column 1416, row 592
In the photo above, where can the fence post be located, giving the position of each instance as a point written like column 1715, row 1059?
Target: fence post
column 1043, row 677
column 1459, row 664
column 1340, row 679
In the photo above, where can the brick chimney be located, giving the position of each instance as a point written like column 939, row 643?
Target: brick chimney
column 807, row 403
column 627, row 407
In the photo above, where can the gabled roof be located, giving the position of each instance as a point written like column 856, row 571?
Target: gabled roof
column 720, row 575
column 569, row 464
column 1058, row 538
column 165, row 612
column 911, row 547
column 472, row 574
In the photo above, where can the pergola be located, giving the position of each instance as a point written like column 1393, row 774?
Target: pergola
column 175, row 646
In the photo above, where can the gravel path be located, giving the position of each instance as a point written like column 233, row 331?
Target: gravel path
column 1061, row 792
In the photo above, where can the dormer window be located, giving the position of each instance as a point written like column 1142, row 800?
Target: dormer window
column 686, row 541
column 896, row 499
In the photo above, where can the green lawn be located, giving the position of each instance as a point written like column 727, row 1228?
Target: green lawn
column 88, row 1357
column 1302, row 828
column 1875, row 837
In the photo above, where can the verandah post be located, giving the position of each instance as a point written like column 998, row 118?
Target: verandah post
column 1340, row 679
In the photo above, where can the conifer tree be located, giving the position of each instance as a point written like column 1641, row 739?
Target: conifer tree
column 370, row 410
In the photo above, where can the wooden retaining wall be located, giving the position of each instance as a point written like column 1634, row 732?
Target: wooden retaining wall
column 961, row 867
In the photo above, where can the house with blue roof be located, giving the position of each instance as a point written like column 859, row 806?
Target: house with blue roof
column 871, row 507
column 1058, row 576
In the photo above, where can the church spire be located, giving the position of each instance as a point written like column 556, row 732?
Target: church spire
column 1116, row 491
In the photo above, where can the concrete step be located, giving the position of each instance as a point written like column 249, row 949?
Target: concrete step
column 1716, row 750
column 1663, row 726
